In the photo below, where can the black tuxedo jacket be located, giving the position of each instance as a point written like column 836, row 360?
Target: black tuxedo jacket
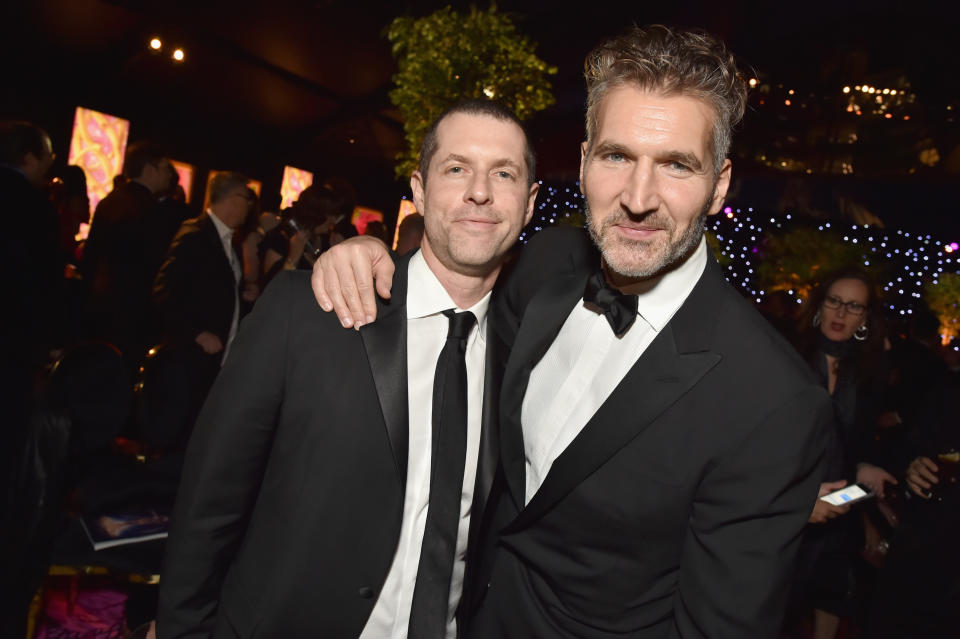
column 195, row 288
column 291, row 501
column 677, row 510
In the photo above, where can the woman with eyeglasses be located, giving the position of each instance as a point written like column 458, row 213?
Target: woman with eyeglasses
column 841, row 336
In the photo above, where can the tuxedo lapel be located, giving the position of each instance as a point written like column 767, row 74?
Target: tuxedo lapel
column 496, row 359
column 385, row 342
column 671, row 365
column 544, row 317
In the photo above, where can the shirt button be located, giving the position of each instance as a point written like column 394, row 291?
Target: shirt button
column 366, row 592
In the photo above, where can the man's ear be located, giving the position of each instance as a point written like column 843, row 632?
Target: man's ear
column 417, row 188
column 720, row 189
column 531, row 201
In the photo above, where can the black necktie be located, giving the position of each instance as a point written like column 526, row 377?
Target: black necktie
column 431, row 595
column 619, row 309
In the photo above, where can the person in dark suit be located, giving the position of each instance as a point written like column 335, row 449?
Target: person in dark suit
column 661, row 444
column 196, row 292
column 308, row 505
column 33, row 275
column 126, row 244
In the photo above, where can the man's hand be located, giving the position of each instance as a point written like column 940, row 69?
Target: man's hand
column 209, row 342
column 824, row 511
column 874, row 477
column 922, row 475
column 344, row 275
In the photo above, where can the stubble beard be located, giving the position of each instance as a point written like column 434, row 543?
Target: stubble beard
column 663, row 254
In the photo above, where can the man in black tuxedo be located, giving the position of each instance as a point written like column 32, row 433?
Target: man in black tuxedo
column 660, row 443
column 309, row 504
column 196, row 292
column 126, row 244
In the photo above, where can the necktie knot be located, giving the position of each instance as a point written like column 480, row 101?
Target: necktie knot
column 460, row 324
column 619, row 309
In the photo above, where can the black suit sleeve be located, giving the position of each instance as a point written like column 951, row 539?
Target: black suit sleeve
column 172, row 286
column 223, row 469
column 745, row 525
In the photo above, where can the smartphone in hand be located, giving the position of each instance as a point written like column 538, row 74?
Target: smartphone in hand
column 848, row 495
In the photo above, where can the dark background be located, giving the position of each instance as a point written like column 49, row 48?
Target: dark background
column 266, row 84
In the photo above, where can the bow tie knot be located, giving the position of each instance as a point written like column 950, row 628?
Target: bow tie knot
column 619, row 309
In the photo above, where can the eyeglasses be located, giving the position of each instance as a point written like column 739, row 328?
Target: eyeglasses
column 834, row 303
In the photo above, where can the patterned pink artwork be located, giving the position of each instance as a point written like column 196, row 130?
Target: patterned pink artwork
column 97, row 145
column 294, row 182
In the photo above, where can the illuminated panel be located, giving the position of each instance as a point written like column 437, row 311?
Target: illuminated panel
column 186, row 173
column 363, row 216
column 256, row 185
column 294, row 182
column 97, row 146
column 406, row 208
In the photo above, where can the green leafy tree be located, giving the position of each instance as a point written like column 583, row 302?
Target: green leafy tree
column 943, row 298
column 449, row 56
column 795, row 260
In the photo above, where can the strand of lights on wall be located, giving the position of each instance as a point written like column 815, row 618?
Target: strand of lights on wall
column 915, row 258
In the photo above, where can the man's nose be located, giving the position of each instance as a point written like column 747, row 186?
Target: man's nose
column 478, row 190
column 641, row 192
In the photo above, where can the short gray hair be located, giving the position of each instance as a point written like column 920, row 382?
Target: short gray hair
column 673, row 62
column 225, row 183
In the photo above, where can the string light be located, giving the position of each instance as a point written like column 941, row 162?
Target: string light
column 739, row 230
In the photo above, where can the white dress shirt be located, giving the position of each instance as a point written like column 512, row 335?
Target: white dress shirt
column 426, row 334
column 226, row 238
column 586, row 362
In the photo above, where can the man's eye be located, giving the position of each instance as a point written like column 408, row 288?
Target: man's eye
column 614, row 156
column 455, row 169
column 679, row 166
column 506, row 175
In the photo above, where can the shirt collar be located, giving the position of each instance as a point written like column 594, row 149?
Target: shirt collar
column 426, row 295
column 667, row 293
column 224, row 231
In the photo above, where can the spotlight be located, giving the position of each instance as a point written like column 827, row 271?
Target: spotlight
column 178, row 55
column 156, row 44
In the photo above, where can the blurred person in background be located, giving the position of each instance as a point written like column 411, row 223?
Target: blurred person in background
column 410, row 233
column 302, row 233
column 33, row 275
column 126, row 244
column 918, row 589
column 842, row 338
column 343, row 199
column 377, row 229
column 70, row 199
column 198, row 288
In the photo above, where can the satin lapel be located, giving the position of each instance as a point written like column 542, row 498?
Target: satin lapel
column 543, row 319
column 385, row 341
column 673, row 363
column 489, row 455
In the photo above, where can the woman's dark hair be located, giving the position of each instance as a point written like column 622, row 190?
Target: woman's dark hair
column 866, row 353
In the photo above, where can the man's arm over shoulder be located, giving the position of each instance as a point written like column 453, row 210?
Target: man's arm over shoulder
column 746, row 522
column 224, row 465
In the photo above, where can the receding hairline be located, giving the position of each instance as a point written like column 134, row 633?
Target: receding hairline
column 524, row 141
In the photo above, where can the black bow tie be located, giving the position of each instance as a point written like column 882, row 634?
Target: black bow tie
column 619, row 309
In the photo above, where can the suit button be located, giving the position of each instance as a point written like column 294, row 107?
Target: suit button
column 366, row 592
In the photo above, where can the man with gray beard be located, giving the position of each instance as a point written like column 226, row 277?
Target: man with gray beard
column 660, row 444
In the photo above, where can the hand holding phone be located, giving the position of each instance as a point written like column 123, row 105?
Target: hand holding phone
column 848, row 495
